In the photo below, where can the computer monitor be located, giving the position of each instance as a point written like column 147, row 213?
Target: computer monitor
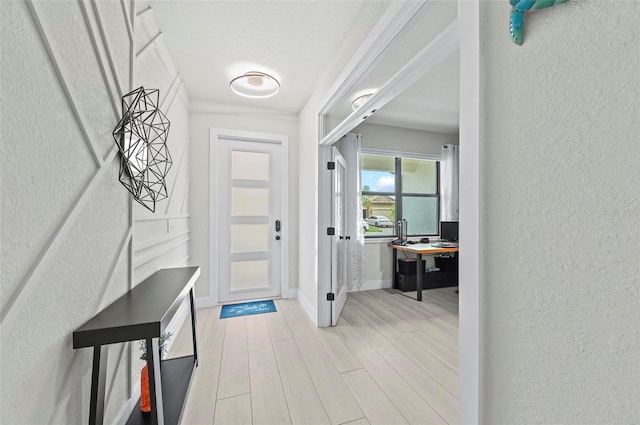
column 449, row 231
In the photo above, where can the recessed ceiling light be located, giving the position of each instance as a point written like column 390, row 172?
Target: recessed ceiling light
column 255, row 84
column 360, row 100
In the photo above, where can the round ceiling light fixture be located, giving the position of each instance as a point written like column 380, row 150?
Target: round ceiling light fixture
column 360, row 100
column 255, row 84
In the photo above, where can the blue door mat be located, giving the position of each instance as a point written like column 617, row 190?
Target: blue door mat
column 246, row 309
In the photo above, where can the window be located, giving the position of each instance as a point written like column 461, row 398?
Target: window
column 395, row 188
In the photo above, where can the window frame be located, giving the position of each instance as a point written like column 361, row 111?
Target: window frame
column 398, row 194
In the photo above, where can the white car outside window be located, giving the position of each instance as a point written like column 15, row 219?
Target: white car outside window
column 379, row 221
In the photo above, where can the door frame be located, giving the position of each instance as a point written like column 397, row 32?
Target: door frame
column 215, row 134
column 471, row 324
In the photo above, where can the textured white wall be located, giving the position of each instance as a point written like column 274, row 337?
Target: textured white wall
column 66, row 223
column 562, row 215
column 308, row 157
column 162, row 238
column 203, row 117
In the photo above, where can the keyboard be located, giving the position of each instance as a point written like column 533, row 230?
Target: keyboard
column 445, row 245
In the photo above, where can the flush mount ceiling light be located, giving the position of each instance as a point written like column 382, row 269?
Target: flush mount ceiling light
column 255, row 84
column 360, row 100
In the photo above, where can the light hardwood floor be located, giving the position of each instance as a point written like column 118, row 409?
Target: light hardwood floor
column 391, row 360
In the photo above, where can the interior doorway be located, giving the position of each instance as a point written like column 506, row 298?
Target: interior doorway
column 466, row 35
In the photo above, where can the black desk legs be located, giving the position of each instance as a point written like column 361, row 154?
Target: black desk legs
column 155, row 382
column 394, row 278
column 194, row 330
column 419, row 273
column 98, row 380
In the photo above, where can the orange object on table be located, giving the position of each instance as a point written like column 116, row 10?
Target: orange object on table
column 145, row 399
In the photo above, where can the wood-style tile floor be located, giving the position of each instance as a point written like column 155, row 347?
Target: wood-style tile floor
column 391, row 360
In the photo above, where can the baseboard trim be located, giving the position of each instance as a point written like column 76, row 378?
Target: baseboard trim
column 308, row 308
column 205, row 302
column 290, row 293
column 375, row 284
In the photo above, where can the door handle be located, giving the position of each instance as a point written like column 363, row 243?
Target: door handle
column 277, row 225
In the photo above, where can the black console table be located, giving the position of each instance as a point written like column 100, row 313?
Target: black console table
column 143, row 313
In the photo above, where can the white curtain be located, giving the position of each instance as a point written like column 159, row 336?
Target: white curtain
column 351, row 145
column 449, row 201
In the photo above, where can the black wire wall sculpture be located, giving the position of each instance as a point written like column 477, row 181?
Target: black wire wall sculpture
column 141, row 136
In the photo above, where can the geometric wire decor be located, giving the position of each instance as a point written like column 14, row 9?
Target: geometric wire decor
column 141, row 136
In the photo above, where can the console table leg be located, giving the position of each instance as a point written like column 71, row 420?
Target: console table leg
column 194, row 329
column 155, row 382
column 419, row 272
column 98, row 380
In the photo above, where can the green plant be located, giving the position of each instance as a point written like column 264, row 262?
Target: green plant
column 162, row 343
column 366, row 203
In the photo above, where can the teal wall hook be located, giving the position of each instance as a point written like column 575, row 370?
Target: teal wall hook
column 516, row 21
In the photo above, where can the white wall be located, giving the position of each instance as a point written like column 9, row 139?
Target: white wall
column 66, row 220
column 308, row 157
column 378, row 256
column 385, row 137
column 206, row 115
column 162, row 237
column 562, row 215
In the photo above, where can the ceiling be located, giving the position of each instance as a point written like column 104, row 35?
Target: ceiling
column 213, row 41
column 431, row 104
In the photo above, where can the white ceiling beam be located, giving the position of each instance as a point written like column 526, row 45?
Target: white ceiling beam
column 395, row 18
column 434, row 53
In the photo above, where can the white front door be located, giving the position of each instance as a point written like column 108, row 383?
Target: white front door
column 339, row 243
column 250, row 226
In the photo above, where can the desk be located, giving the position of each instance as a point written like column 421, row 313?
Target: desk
column 418, row 249
column 143, row 313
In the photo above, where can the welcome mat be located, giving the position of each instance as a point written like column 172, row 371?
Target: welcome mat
column 246, row 309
